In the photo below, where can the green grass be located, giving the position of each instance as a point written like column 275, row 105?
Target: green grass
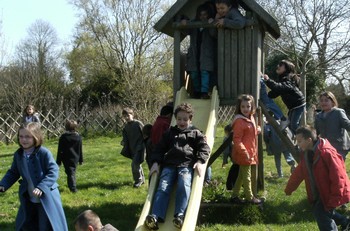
column 105, row 186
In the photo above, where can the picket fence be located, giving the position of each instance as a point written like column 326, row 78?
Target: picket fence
column 97, row 122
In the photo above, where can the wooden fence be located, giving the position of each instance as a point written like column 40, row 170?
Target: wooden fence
column 100, row 122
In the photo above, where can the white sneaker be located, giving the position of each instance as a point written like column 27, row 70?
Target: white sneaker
column 284, row 124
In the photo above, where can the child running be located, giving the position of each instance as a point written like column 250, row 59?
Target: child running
column 244, row 151
column 182, row 149
column 40, row 202
column 327, row 183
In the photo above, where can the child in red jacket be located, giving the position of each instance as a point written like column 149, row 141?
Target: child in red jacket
column 327, row 184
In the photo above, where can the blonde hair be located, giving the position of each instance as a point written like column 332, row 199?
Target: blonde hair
column 330, row 96
column 34, row 129
column 86, row 218
column 71, row 125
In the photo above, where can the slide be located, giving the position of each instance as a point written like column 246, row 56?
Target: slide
column 205, row 118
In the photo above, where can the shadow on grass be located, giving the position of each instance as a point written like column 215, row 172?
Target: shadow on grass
column 103, row 185
column 121, row 216
column 6, row 155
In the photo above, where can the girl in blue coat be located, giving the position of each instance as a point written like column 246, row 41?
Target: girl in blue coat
column 40, row 202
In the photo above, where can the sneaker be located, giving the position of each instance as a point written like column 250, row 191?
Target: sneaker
column 255, row 201
column 138, row 184
column 151, row 222
column 178, row 221
column 284, row 124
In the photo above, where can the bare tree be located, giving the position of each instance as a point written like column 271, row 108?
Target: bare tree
column 128, row 45
column 34, row 76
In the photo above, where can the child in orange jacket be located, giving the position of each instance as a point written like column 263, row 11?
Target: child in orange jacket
column 244, row 151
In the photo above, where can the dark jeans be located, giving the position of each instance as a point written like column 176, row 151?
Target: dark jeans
column 71, row 180
column 36, row 218
column 232, row 176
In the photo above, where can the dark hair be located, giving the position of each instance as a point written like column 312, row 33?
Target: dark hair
column 228, row 128
column 244, row 97
column 186, row 107
column 146, row 130
column 26, row 108
column 290, row 71
column 330, row 96
column 71, row 125
column 127, row 111
column 34, row 129
column 229, row 3
column 166, row 110
column 307, row 132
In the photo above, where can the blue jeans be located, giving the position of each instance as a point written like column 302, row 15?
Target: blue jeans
column 168, row 178
column 208, row 175
column 294, row 116
column 200, row 81
column 327, row 220
column 287, row 156
column 268, row 102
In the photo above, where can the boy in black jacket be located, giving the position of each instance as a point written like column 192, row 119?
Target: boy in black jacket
column 70, row 152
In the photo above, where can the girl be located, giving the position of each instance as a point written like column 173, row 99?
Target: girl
column 29, row 115
column 288, row 89
column 332, row 123
column 70, row 152
column 244, row 151
column 40, row 202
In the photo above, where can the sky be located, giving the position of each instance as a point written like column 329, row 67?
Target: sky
column 18, row 15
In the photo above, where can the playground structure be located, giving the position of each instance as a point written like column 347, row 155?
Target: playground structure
column 240, row 64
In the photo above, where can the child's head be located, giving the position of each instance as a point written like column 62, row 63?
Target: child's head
column 223, row 7
column 306, row 137
column 327, row 101
column 228, row 129
column 128, row 114
column 30, row 135
column 285, row 67
column 203, row 12
column 146, row 130
column 166, row 110
column 87, row 220
column 29, row 110
column 183, row 115
column 245, row 105
column 71, row 125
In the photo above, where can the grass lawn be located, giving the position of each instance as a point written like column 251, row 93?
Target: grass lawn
column 105, row 185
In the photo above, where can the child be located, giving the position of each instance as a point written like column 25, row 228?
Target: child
column 244, row 150
column 133, row 145
column 181, row 149
column 288, row 89
column 201, row 53
column 337, row 133
column 326, row 181
column 29, row 115
column 228, row 15
column 275, row 147
column 40, row 202
column 70, row 152
column 90, row 221
column 161, row 124
column 146, row 132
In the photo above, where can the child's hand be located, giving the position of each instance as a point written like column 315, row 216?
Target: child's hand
column 200, row 168
column 266, row 77
column 154, row 168
column 219, row 23
column 258, row 129
column 2, row 189
column 210, row 20
column 37, row 192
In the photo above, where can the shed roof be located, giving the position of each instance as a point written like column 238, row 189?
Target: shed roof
column 186, row 7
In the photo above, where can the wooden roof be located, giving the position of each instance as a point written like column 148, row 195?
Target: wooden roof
column 188, row 8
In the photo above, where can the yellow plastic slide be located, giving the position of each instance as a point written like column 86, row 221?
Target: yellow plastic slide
column 205, row 118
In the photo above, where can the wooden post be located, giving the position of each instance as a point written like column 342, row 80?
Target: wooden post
column 177, row 80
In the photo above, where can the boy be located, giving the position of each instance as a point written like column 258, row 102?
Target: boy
column 228, row 15
column 90, row 221
column 70, row 152
column 133, row 145
column 327, row 184
column 181, row 149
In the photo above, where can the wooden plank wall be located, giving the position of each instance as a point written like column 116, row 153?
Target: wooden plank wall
column 240, row 58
